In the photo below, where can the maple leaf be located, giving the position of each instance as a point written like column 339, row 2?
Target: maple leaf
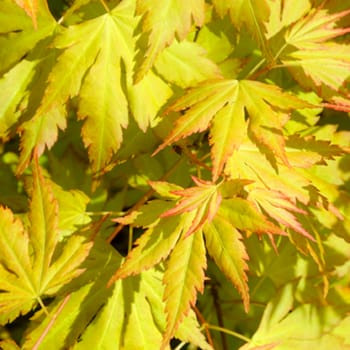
column 223, row 242
column 306, row 59
column 202, row 200
column 251, row 13
column 94, row 47
column 279, row 207
column 185, row 64
column 162, row 21
column 13, row 85
column 224, row 101
column 243, row 215
column 31, row 8
column 183, row 277
column 29, row 266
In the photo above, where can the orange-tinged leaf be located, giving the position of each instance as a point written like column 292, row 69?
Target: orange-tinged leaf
column 243, row 215
column 316, row 62
column 318, row 26
column 163, row 21
column 227, row 132
column 223, row 242
column 224, row 101
column 153, row 246
column 31, row 8
column 35, row 264
column 306, row 151
column 103, row 47
column 183, row 278
column 249, row 163
column 202, row 200
column 280, row 207
column 251, row 13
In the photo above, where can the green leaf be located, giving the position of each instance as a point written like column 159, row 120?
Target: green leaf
column 251, row 13
column 183, row 278
column 227, row 98
column 94, row 47
column 13, row 85
column 162, row 21
column 29, row 267
column 146, row 98
column 202, row 200
column 185, row 64
column 243, row 215
column 153, row 246
column 224, row 244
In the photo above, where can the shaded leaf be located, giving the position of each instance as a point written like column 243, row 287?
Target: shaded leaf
column 29, row 269
column 183, row 278
column 225, row 246
column 162, row 21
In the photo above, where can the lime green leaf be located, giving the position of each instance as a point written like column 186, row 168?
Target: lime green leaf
column 183, row 277
column 13, row 85
column 91, row 48
column 318, row 26
column 163, row 21
column 226, row 134
column 242, row 214
column 72, row 209
column 308, row 62
column 30, row 7
column 284, row 13
column 146, row 98
column 224, row 245
column 29, row 267
column 153, row 246
column 248, row 163
column 65, row 322
column 307, row 151
column 279, row 207
column 285, row 326
column 203, row 201
column 18, row 35
column 251, row 13
column 216, row 98
column 9, row 344
column 185, row 64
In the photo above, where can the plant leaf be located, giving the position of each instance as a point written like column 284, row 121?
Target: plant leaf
column 216, row 98
column 162, row 21
column 183, row 277
column 223, row 242
column 28, row 276
column 185, row 64
column 202, row 200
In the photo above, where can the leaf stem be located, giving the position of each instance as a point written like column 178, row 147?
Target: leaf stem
column 228, row 331
column 105, row 6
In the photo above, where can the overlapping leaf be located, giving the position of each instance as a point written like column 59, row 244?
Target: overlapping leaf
column 184, row 64
column 163, row 21
column 314, row 61
column 29, row 269
column 251, row 13
column 224, row 245
column 91, row 48
column 203, row 201
column 183, row 278
column 224, row 101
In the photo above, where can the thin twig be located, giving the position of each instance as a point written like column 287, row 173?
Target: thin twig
column 205, row 325
column 52, row 321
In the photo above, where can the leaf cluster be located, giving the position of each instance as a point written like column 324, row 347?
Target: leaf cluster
column 174, row 174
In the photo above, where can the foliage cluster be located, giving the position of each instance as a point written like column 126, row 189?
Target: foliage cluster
column 174, row 174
